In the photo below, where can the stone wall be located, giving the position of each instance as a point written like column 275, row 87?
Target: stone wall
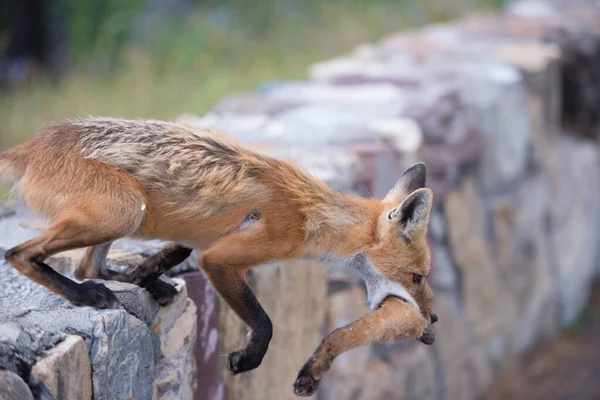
column 50, row 349
column 503, row 108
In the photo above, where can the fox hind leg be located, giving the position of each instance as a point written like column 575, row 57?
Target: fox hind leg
column 155, row 265
column 146, row 274
column 93, row 262
column 96, row 205
column 28, row 258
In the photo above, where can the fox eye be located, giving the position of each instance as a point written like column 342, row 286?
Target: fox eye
column 417, row 278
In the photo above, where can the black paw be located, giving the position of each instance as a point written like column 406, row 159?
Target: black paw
column 108, row 274
column 163, row 292
column 95, row 295
column 306, row 384
column 241, row 361
column 428, row 337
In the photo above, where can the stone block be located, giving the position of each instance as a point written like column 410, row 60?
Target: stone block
column 64, row 372
column 498, row 97
column 43, row 335
column 293, row 295
column 252, row 104
column 574, row 168
column 12, row 387
column 207, row 354
column 466, row 219
column 124, row 356
column 176, row 374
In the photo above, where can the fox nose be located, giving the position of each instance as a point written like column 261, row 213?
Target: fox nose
column 434, row 317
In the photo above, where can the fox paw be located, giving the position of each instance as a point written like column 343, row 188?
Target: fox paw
column 306, row 384
column 95, row 295
column 241, row 361
column 163, row 292
column 428, row 336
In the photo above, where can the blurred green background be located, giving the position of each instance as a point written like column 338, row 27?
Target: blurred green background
column 161, row 58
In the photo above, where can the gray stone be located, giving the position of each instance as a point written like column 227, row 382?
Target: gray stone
column 175, row 377
column 497, row 95
column 466, row 219
column 452, row 141
column 124, row 351
column 540, row 64
column 12, row 387
column 64, row 372
column 369, row 97
column 10, row 332
column 6, row 211
column 520, row 242
column 454, row 347
column 124, row 356
column 136, row 300
column 313, row 123
column 12, row 232
column 574, row 168
column 167, row 316
column 244, row 127
column 327, row 70
column 253, row 104
column 445, row 274
column 532, row 9
column 339, row 168
column 294, row 296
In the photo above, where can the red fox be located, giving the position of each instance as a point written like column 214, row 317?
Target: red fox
column 101, row 179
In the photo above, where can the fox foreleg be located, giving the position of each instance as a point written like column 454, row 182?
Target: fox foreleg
column 394, row 320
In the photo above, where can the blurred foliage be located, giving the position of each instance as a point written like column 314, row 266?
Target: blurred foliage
column 97, row 26
column 161, row 58
column 198, row 26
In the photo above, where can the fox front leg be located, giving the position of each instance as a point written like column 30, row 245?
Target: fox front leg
column 231, row 285
column 394, row 320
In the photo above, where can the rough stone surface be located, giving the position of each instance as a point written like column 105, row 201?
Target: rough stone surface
column 139, row 301
column 176, row 374
column 575, row 216
column 207, row 351
column 251, row 104
column 12, row 387
column 65, row 372
column 124, row 355
column 505, row 125
column 45, row 339
column 293, row 295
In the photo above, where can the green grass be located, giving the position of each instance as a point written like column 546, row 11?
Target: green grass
column 188, row 64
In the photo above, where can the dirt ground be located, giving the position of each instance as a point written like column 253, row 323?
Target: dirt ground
column 566, row 367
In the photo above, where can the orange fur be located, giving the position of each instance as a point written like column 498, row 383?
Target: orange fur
column 394, row 320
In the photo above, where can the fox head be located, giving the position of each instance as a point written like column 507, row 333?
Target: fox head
column 399, row 262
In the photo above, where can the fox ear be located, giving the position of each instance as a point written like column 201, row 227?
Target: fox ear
column 413, row 214
column 415, row 177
